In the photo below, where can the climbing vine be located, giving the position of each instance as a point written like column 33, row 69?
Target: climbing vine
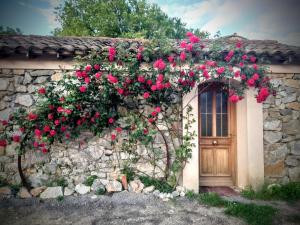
column 135, row 91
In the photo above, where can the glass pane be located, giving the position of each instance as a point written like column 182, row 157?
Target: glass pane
column 218, row 102
column 224, row 102
column 209, row 101
column 203, row 102
column 209, row 125
column 203, row 124
column 225, row 125
column 219, row 125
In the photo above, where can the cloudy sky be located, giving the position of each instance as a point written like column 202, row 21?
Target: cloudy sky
column 254, row 19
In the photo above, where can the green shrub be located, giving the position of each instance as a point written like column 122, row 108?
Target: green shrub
column 58, row 182
column 90, row 180
column 2, row 182
column 128, row 172
column 160, row 185
column 288, row 192
column 100, row 191
column 251, row 213
column 60, row 198
column 191, row 195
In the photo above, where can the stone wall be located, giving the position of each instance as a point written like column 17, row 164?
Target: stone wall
column 75, row 161
column 282, row 130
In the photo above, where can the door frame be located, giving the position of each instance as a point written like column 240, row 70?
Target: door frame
column 249, row 142
column 231, row 108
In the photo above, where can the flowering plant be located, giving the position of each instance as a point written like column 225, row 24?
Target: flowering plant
column 147, row 82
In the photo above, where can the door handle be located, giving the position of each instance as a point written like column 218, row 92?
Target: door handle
column 214, row 142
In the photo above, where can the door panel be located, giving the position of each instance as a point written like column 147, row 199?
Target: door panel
column 216, row 139
column 207, row 165
column 222, row 162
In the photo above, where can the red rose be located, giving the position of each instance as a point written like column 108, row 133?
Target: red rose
column 234, row 98
column 35, row 144
column 194, row 39
column 97, row 67
column 16, row 138
column 244, row 57
column 37, row 132
column 253, row 59
column 139, row 56
column 189, row 47
column 88, row 68
column 183, row 44
column 157, row 109
column 3, row 143
column 141, row 79
column 149, row 82
column 32, row 116
column 145, row 131
column 159, row 64
column 238, row 44
column 4, row 122
column 60, row 109
column 237, row 73
column 154, row 113
column 52, row 132
column 220, row 70
column 255, row 76
column 111, row 54
column 182, row 56
column 112, row 79
column 87, row 80
column 251, row 82
column 63, row 129
column 82, row 89
column 113, row 137
column 171, row 59
column 120, row 91
column 56, row 122
column 167, row 85
column 243, row 77
column 119, row 129
column 160, row 78
column 78, row 74
column 146, row 95
column 97, row 114
column 153, row 88
column 50, row 116
column 98, row 75
column 47, row 128
column 42, row 91
column 111, row 120
column 68, row 111
column 44, row 150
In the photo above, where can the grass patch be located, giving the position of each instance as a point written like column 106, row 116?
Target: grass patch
column 160, row 185
column 288, row 192
column 90, row 180
column 209, row 198
column 251, row 213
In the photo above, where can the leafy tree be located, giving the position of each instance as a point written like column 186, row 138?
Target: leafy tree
column 9, row 30
column 116, row 18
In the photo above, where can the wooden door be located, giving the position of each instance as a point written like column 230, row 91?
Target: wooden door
column 217, row 136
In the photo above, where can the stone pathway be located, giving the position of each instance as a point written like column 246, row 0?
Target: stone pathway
column 120, row 208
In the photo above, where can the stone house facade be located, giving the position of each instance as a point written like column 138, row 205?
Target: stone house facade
column 266, row 139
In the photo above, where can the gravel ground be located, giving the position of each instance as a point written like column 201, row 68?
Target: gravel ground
column 120, row 208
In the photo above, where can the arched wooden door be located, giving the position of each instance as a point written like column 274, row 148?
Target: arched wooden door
column 217, row 136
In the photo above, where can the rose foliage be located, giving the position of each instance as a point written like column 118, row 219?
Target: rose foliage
column 131, row 91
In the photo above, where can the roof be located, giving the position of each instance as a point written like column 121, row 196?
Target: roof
column 269, row 51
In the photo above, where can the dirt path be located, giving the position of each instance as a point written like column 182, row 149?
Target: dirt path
column 121, row 208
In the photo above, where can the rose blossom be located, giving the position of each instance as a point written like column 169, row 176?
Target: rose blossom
column 146, row 95
column 112, row 79
column 111, row 120
column 182, row 56
column 98, row 75
column 82, row 89
column 42, row 91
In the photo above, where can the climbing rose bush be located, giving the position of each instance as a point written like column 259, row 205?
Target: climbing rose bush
column 146, row 81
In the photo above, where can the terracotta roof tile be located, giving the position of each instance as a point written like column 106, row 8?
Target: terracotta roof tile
column 271, row 51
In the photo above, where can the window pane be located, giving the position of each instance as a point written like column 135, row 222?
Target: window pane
column 224, row 102
column 219, row 125
column 225, row 125
column 203, row 124
column 209, row 125
column 203, row 102
column 209, row 101
column 218, row 102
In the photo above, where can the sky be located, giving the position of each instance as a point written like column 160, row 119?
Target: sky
column 253, row 19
